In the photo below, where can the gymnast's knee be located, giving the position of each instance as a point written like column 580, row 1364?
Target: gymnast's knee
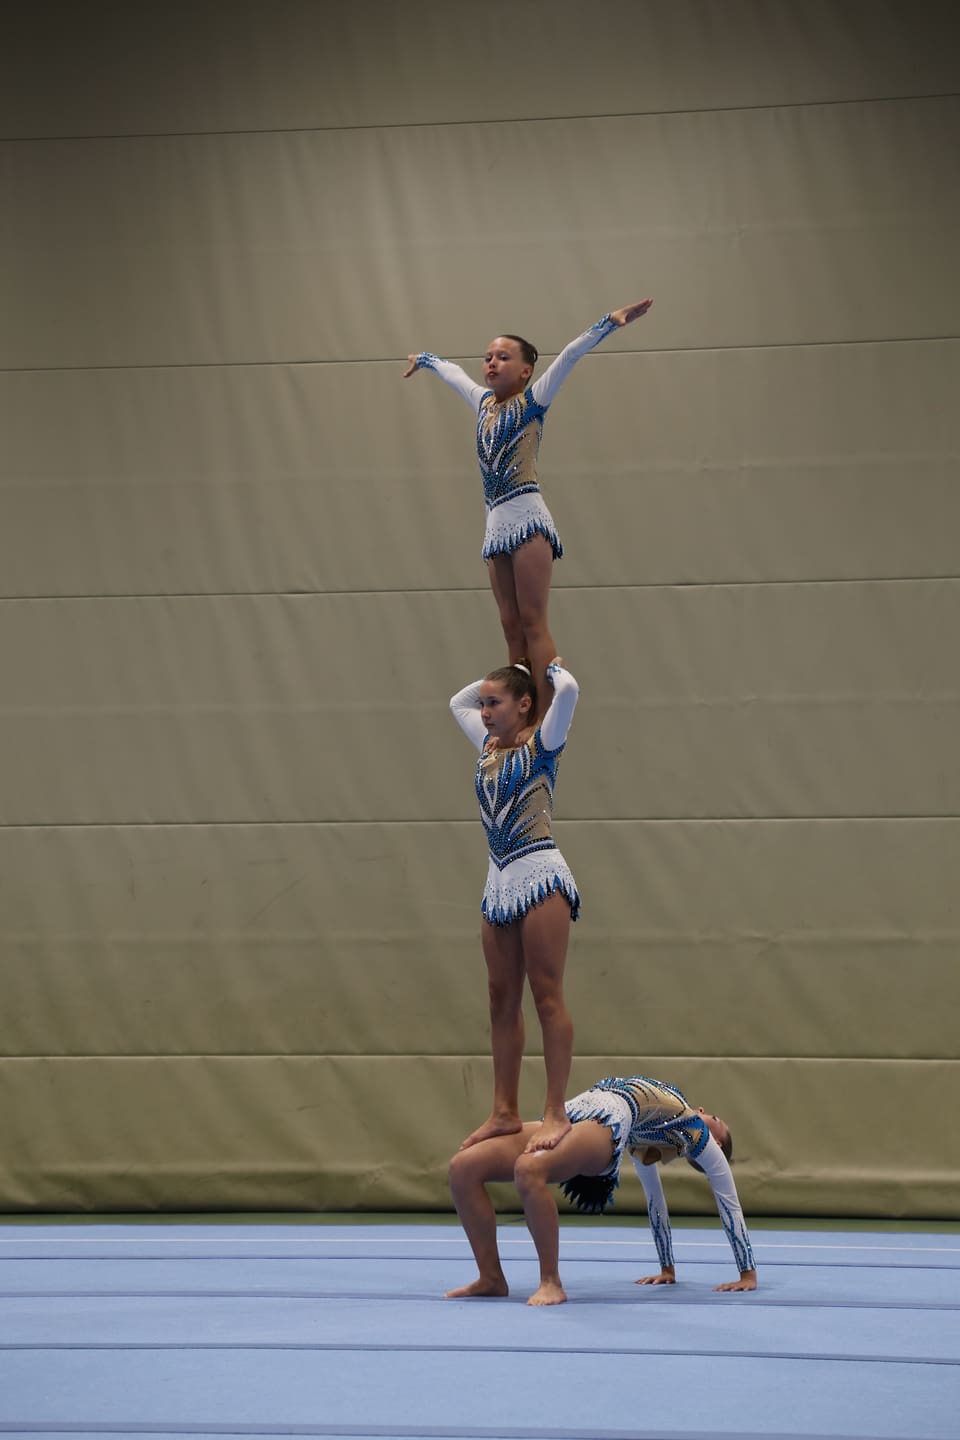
column 528, row 1172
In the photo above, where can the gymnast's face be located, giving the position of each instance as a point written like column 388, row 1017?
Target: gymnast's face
column 504, row 368
column 503, row 715
column 715, row 1125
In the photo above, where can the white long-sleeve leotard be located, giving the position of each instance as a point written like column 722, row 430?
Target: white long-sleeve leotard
column 644, row 1114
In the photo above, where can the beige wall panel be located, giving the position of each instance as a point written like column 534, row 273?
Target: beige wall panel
column 816, row 700
column 204, row 1133
column 877, row 997
column 807, row 462
column 802, row 939
column 820, row 462
column 240, row 864
column 261, row 478
column 108, row 67
column 886, row 996
column 867, row 641
column 750, row 227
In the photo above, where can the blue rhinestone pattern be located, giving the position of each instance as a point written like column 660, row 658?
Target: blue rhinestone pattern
column 515, row 790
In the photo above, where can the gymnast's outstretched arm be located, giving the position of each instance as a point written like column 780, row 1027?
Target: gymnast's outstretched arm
column 715, row 1166
column 544, row 388
column 659, row 1218
column 454, row 375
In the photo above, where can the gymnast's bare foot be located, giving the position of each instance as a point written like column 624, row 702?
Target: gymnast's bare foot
column 551, row 1292
column 506, row 1123
column 548, row 1133
column 493, row 1286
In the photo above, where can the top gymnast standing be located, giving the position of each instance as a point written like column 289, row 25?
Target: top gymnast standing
column 521, row 541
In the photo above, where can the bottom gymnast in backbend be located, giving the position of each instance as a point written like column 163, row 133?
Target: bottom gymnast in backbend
column 649, row 1119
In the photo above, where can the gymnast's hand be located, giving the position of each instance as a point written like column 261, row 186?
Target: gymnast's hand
column 667, row 1276
column 413, row 367
column 747, row 1281
column 626, row 313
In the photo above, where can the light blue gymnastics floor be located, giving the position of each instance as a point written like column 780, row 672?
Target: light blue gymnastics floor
column 262, row 1329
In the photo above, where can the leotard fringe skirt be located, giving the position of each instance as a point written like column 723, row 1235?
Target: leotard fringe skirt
column 594, row 1192
column 517, row 520
column 509, row 893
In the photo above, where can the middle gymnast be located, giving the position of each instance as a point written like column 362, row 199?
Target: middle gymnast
column 530, row 896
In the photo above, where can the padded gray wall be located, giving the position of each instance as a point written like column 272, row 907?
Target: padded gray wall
column 239, row 861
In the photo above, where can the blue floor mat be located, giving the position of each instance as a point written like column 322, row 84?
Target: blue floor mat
column 342, row 1331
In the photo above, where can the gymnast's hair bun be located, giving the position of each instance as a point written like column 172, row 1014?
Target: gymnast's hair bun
column 528, row 350
column 518, row 678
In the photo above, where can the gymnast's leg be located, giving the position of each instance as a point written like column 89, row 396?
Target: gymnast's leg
column 586, row 1150
column 532, row 572
column 469, row 1172
column 503, row 953
column 500, row 570
column 544, row 932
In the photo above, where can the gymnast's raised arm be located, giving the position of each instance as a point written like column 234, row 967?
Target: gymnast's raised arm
column 465, row 706
column 545, row 388
column 555, row 725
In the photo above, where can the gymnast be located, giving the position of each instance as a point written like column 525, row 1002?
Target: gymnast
column 648, row 1118
column 521, row 540
column 530, row 896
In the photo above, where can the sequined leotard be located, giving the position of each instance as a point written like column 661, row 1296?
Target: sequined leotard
column 644, row 1115
column 515, row 791
column 508, row 443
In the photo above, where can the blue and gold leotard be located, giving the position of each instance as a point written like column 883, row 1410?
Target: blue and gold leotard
column 515, row 790
column 646, row 1118
column 508, row 444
